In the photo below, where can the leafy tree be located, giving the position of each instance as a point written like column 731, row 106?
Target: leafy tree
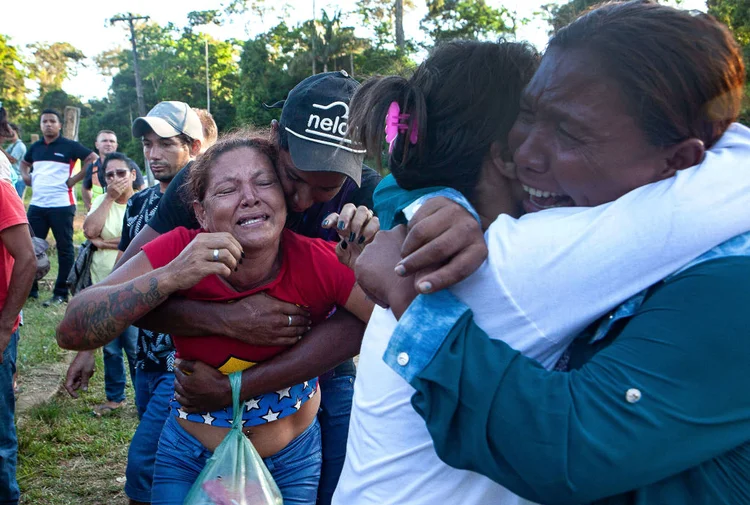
column 736, row 15
column 333, row 41
column 379, row 61
column 558, row 15
column 208, row 17
column 465, row 19
column 386, row 19
column 268, row 71
column 13, row 91
column 53, row 63
column 173, row 67
column 172, row 64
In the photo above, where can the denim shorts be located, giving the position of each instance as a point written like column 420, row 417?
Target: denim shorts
column 180, row 458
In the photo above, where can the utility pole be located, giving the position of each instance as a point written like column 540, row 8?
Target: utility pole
column 399, row 22
column 138, row 85
column 314, row 36
column 208, row 85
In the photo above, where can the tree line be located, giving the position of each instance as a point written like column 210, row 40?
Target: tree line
column 244, row 74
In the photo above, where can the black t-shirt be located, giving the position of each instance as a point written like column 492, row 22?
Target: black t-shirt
column 175, row 210
column 88, row 182
column 155, row 350
column 141, row 208
column 60, row 150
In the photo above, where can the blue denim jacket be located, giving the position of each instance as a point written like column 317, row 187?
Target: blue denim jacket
column 737, row 246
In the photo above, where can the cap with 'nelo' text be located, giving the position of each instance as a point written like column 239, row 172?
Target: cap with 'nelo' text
column 315, row 116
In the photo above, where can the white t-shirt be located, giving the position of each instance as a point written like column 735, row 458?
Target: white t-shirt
column 548, row 276
column 5, row 168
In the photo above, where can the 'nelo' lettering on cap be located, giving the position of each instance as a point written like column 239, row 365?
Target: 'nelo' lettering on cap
column 331, row 126
column 326, row 127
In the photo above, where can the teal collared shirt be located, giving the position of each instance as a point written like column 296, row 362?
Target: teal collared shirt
column 391, row 201
column 654, row 412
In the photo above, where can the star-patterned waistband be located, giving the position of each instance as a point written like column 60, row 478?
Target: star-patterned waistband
column 256, row 411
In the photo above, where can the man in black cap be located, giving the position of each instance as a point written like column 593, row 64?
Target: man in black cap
column 320, row 171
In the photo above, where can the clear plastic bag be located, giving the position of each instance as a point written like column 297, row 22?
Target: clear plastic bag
column 235, row 474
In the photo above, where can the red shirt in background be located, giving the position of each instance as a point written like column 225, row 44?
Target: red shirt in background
column 310, row 276
column 12, row 213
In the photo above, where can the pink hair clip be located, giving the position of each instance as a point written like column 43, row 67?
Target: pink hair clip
column 395, row 122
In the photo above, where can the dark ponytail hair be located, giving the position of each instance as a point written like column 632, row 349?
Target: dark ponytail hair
column 461, row 99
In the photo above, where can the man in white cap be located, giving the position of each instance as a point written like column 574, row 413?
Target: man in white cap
column 172, row 136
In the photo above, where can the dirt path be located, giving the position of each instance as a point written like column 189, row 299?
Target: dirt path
column 38, row 385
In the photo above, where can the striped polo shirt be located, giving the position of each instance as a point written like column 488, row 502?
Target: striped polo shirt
column 52, row 166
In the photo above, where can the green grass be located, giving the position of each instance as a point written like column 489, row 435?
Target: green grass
column 38, row 346
column 67, row 456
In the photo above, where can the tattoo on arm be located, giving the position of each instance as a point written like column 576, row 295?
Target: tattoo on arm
column 95, row 318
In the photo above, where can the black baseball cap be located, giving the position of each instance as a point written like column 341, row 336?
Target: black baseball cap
column 314, row 116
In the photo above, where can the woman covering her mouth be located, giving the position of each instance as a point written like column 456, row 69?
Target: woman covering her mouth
column 241, row 249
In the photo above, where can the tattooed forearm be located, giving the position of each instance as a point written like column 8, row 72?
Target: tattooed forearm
column 98, row 315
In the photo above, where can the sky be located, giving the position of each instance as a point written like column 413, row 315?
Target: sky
column 87, row 27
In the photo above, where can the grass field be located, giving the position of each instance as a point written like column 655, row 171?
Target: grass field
column 67, row 456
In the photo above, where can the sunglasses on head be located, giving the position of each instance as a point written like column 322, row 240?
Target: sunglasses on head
column 118, row 173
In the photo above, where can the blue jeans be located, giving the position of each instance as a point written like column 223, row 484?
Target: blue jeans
column 295, row 468
column 337, row 390
column 114, row 364
column 9, row 492
column 20, row 187
column 153, row 392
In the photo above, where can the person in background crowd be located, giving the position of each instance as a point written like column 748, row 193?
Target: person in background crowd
column 47, row 168
column 103, row 227
column 17, row 271
column 320, row 172
column 6, row 172
column 624, row 98
column 94, row 182
column 210, row 131
column 172, row 137
column 5, row 129
column 16, row 150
